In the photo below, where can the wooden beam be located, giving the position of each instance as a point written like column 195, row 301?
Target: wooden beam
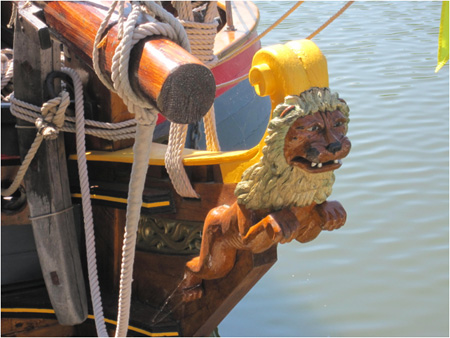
column 160, row 70
column 46, row 181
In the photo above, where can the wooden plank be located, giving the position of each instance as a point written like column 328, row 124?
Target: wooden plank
column 46, row 179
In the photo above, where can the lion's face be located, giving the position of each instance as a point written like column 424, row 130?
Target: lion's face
column 316, row 143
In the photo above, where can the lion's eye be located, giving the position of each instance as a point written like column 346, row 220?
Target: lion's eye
column 338, row 124
column 313, row 128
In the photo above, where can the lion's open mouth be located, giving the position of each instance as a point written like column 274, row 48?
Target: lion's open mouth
column 316, row 166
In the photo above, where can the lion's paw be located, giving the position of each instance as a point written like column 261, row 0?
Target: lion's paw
column 193, row 293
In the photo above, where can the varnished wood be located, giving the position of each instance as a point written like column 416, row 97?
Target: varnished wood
column 35, row 327
column 181, row 86
column 106, row 106
column 256, row 222
column 221, row 295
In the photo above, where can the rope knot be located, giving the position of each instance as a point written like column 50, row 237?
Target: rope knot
column 52, row 118
column 47, row 129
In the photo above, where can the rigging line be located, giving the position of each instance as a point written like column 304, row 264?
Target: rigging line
column 263, row 34
column 330, row 20
column 317, row 31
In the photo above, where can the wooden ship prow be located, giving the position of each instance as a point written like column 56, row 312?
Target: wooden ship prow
column 172, row 228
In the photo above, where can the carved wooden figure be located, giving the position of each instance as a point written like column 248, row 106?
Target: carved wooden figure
column 283, row 196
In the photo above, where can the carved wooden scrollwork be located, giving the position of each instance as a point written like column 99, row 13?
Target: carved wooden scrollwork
column 169, row 236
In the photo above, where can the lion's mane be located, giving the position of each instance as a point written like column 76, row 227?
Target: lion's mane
column 272, row 183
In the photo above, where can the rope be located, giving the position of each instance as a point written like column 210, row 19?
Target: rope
column 35, row 218
column 173, row 160
column 330, row 20
column 7, row 69
column 109, row 131
column 86, row 203
column 263, row 34
column 48, row 128
column 317, row 31
column 145, row 114
column 7, row 66
column 201, row 37
column 196, row 32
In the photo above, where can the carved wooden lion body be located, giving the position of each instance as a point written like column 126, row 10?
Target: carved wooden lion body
column 282, row 197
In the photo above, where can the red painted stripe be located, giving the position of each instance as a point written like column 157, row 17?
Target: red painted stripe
column 235, row 67
column 231, row 69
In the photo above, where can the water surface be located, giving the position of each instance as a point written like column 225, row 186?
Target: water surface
column 385, row 273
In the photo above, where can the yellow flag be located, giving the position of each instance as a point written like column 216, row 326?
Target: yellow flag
column 443, row 37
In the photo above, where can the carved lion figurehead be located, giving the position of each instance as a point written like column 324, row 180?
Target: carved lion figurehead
column 305, row 143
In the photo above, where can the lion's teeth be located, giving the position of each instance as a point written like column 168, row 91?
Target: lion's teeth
column 319, row 165
column 313, row 164
column 336, row 161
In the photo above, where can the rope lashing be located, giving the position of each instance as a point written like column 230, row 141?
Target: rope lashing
column 48, row 126
column 108, row 131
column 201, row 37
column 146, row 115
column 131, row 35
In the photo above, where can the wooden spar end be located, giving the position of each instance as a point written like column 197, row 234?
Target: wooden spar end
column 186, row 91
column 182, row 87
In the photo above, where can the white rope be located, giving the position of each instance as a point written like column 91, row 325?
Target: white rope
column 146, row 115
column 48, row 125
column 7, row 66
column 196, row 32
column 7, row 69
column 174, row 160
column 86, row 203
column 201, row 36
column 136, row 186
column 109, row 131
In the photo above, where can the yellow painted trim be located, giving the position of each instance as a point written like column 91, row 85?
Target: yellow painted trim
column 191, row 157
column 124, row 200
column 277, row 71
column 18, row 310
column 110, row 321
column 148, row 333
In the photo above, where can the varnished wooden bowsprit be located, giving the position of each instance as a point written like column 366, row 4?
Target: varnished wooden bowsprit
column 180, row 85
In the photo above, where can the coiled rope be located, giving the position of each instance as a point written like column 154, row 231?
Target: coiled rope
column 201, row 37
column 146, row 117
column 196, row 32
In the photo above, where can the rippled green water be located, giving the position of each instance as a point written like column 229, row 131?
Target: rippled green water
column 386, row 272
